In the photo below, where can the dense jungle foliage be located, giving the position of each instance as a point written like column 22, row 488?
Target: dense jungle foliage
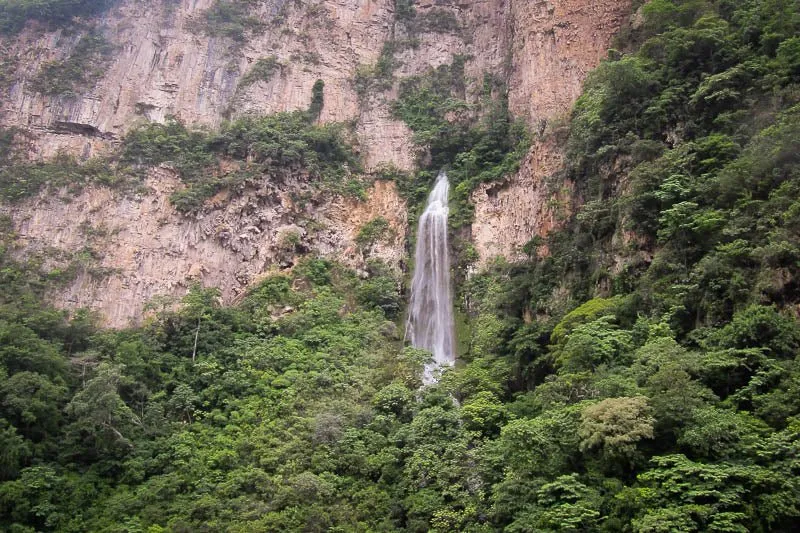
column 639, row 372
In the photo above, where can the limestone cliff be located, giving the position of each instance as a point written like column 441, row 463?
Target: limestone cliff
column 163, row 65
column 143, row 248
column 532, row 203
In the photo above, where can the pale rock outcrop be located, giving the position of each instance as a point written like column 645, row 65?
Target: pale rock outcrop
column 146, row 249
column 163, row 66
column 554, row 46
column 532, row 203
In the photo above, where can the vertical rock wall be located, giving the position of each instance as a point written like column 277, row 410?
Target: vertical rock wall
column 162, row 65
column 554, row 45
column 142, row 248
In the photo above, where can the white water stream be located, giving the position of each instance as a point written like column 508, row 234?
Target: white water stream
column 430, row 317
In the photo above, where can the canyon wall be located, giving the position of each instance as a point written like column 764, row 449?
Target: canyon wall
column 140, row 247
column 163, row 64
column 554, row 46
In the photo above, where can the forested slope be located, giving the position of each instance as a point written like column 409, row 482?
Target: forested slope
column 639, row 372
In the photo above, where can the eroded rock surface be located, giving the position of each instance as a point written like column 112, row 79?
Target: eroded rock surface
column 143, row 248
column 161, row 66
column 532, row 203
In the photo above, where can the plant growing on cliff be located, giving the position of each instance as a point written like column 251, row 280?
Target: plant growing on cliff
column 273, row 145
column 230, row 19
column 475, row 143
column 289, row 239
column 269, row 145
column 20, row 179
column 8, row 70
column 373, row 231
column 56, row 13
column 262, row 70
column 317, row 100
column 371, row 79
column 436, row 20
column 78, row 73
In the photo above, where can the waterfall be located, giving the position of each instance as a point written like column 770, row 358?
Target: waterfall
column 430, row 316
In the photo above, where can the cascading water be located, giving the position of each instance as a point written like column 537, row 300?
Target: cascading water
column 430, row 316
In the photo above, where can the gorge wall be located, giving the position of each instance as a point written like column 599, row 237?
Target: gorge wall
column 163, row 64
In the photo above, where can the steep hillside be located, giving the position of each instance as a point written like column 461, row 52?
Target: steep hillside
column 630, row 365
column 78, row 88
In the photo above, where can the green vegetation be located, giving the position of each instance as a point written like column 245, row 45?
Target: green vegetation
column 20, row 178
column 262, row 70
column 272, row 145
column 85, row 65
column 253, row 147
column 373, row 231
column 660, row 326
column 379, row 78
column 373, row 79
column 317, row 99
column 637, row 373
column 436, row 20
column 55, row 13
column 431, row 20
column 475, row 143
column 427, row 102
column 702, row 121
column 8, row 70
column 229, row 19
column 404, row 10
column 169, row 414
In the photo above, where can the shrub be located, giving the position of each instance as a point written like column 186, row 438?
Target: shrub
column 373, row 231
column 230, row 19
column 262, row 70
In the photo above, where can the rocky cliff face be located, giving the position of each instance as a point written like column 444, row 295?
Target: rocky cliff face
column 529, row 204
column 142, row 248
column 553, row 47
column 163, row 64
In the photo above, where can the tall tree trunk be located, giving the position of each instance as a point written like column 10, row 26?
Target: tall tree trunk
column 196, row 335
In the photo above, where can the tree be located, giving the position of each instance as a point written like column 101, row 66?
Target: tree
column 616, row 426
column 592, row 344
column 722, row 434
column 763, row 327
column 680, row 493
column 99, row 413
column 542, row 446
column 396, row 399
column 567, row 505
column 317, row 100
column 33, row 403
column 14, row 450
column 198, row 304
column 484, row 413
